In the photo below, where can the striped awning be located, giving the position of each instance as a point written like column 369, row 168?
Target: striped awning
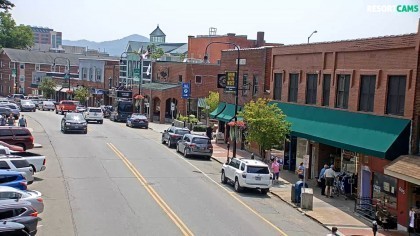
column 201, row 102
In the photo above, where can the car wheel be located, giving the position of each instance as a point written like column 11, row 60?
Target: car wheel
column 126, row 124
column 185, row 153
column 62, row 112
column 223, row 178
column 163, row 141
column 85, row 132
column 33, row 168
column 264, row 190
column 101, row 122
column 237, row 186
column 56, row 112
column 169, row 143
column 177, row 148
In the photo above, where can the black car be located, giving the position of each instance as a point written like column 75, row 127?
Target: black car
column 8, row 228
column 73, row 122
column 137, row 120
column 173, row 134
column 20, row 212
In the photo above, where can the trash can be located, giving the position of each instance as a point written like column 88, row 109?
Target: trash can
column 292, row 194
column 307, row 200
column 298, row 191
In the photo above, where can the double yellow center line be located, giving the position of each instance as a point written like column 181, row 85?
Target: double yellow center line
column 178, row 222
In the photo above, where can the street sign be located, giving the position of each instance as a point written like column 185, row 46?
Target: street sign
column 230, row 81
column 186, row 90
column 306, row 161
column 136, row 75
column 172, row 106
column 14, row 72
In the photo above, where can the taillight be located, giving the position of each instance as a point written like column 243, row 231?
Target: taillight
column 40, row 199
column 24, row 184
column 45, row 160
column 31, row 138
column 243, row 175
column 210, row 146
column 35, row 213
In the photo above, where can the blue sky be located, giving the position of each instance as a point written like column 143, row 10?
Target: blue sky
column 288, row 22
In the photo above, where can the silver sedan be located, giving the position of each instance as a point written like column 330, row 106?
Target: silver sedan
column 34, row 197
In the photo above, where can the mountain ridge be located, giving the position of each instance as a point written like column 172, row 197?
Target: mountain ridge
column 113, row 47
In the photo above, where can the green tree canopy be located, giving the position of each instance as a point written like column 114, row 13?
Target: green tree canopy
column 6, row 5
column 212, row 100
column 266, row 123
column 47, row 86
column 12, row 36
column 81, row 94
column 155, row 51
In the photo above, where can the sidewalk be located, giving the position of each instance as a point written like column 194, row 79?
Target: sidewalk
column 328, row 212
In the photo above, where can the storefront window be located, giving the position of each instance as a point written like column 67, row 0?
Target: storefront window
column 385, row 190
column 349, row 161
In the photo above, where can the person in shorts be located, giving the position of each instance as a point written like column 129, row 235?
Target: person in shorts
column 329, row 181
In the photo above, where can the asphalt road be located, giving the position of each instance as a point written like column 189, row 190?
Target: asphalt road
column 121, row 181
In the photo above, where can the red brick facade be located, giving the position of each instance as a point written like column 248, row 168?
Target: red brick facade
column 382, row 57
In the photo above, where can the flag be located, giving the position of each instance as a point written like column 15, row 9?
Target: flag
column 144, row 56
column 148, row 70
column 141, row 50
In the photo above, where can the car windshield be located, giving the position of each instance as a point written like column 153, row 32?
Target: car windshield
column 68, row 103
column 74, row 116
column 139, row 117
column 182, row 131
column 48, row 103
column 201, row 140
column 257, row 170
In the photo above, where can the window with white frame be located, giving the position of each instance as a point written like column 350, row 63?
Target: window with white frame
column 22, row 66
column 37, row 67
column 255, row 86
column 198, row 79
column 91, row 74
column 98, row 74
column 245, row 84
column 84, row 73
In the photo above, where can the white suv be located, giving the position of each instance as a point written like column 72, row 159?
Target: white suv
column 94, row 114
column 247, row 173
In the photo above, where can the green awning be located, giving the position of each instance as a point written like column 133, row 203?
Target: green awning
column 378, row 136
column 228, row 113
column 218, row 110
column 201, row 102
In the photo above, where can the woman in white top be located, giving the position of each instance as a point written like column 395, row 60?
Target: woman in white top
column 411, row 216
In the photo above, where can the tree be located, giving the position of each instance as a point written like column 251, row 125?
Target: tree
column 12, row 36
column 266, row 124
column 155, row 51
column 47, row 86
column 212, row 101
column 6, row 5
column 81, row 94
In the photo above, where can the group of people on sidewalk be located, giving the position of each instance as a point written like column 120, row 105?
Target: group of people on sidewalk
column 10, row 121
column 326, row 180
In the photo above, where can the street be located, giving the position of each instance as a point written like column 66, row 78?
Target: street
column 118, row 180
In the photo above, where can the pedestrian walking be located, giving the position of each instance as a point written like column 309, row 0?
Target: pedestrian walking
column 209, row 132
column 329, row 181
column 333, row 231
column 411, row 215
column 321, row 179
column 2, row 120
column 275, row 166
column 10, row 120
column 374, row 227
column 300, row 170
column 22, row 121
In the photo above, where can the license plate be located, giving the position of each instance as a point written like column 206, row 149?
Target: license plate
column 76, row 126
column 257, row 178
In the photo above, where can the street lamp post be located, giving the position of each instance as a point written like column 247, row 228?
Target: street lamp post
column 66, row 72
column 236, row 87
column 312, row 34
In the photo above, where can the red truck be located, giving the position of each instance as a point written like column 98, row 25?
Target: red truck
column 65, row 106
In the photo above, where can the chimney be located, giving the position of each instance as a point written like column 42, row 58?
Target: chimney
column 260, row 39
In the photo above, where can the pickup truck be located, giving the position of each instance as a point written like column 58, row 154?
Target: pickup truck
column 36, row 161
column 65, row 106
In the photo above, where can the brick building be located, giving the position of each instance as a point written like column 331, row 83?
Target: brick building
column 355, row 104
column 197, row 45
column 31, row 67
column 165, row 89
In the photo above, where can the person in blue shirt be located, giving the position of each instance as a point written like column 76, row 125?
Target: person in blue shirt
column 321, row 179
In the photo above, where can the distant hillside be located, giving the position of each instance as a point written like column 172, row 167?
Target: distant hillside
column 113, row 47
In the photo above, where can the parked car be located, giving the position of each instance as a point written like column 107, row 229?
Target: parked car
column 247, row 173
column 17, row 97
column 46, row 105
column 13, row 179
column 5, row 111
column 81, row 108
column 73, row 122
column 8, row 228
column 32, row 196
column 173, row 134
column 21, row 212
column 65, row 106
column 94, row 114
column 18, row 164
column 36, row 161
column 13, row 107
column 195, row 145
column 19, row 136
column 27, row 105
column 137, row 120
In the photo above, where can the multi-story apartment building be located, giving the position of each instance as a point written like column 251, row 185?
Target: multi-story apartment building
column 21, row 71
